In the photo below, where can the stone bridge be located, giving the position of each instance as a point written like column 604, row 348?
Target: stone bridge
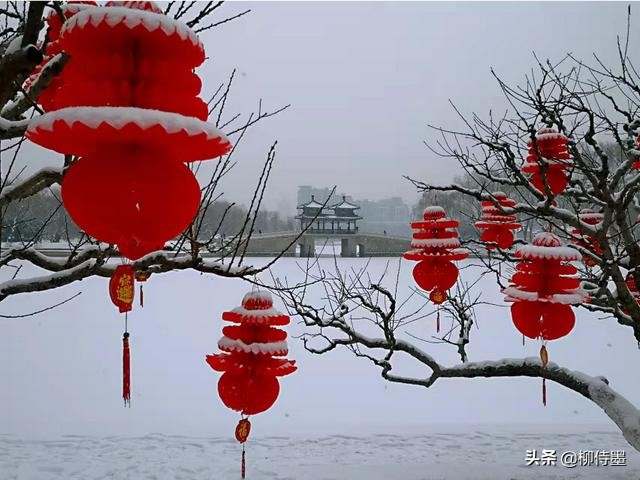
column 352, row 244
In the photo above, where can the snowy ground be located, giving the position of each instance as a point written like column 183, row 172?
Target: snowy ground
column 61, row 414
column 478, row 453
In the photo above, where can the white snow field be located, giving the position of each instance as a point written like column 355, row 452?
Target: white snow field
column 62, row 416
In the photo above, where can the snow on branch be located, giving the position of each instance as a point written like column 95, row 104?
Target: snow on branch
column 31, row 185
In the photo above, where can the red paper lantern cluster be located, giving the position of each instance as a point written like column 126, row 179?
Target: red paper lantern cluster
column 587, row 242
column 127, row 104
column 435, row 246
column 249, row 383
column 544, row 288
column 497, row 227
column 552, row 147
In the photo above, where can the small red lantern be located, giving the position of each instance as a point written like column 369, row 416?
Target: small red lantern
column 249, row 383
column 543, row 289
column 550, row 146
column 121, row 288
column 495, row 225
column 122, row 292
column 587, row 242
column 636, row 165
column 631, row 285
column 435, row 246
column 141, row 277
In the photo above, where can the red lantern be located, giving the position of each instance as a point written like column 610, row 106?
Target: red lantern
column 435, row 246
column 636, row 165
column 126, row 103
column 121, row 288
column 141, row 277
column 550, row 146
column 543, row 290
column 587, row 242
column 249, row 384
column 495, row 225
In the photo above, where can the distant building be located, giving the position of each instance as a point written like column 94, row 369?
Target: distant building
column 340, row 218
column 391, row 215
column 305, row 192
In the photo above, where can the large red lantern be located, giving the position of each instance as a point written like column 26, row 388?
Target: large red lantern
column 496, row 226
column 542, row 290
column 249, row 383
column 127, row 104
column 435, row 246
column 588, row 217
column 550, row 147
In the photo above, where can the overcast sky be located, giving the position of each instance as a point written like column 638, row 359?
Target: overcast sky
column 365, row 78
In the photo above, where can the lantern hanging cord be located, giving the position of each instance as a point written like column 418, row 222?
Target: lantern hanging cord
column 126, row 322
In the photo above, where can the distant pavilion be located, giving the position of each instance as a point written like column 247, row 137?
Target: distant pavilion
column 338, row 219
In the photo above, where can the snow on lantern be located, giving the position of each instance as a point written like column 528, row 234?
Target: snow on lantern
column 588, row 217
column 435, row 246
column 127, row 104
column 548, row 160
column 249, row 383
column 542, row 290
column 496, row 226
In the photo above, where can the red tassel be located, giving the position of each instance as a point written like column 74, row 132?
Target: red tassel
column 141, row 296
column 244, row 469
column 438, row 321
column 126, row 370
column 544, row 392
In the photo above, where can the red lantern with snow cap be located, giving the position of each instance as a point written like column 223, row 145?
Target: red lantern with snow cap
column 594, row 219
column 435, row 246
column 127, row 104
column 496, row 226
column 543, row 289
column 548, row 161
column 249, row 383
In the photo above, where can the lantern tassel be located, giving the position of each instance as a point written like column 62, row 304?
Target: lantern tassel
column 544, row 358
column 126, row 370
column 141, row 296
column 244, row 468
column 438, row 321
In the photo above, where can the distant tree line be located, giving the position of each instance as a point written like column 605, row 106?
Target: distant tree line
column 42, row 217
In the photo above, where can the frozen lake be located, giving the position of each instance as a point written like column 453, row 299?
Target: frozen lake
column 61, row 414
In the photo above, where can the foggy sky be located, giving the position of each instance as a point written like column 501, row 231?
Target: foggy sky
column 365, row 78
